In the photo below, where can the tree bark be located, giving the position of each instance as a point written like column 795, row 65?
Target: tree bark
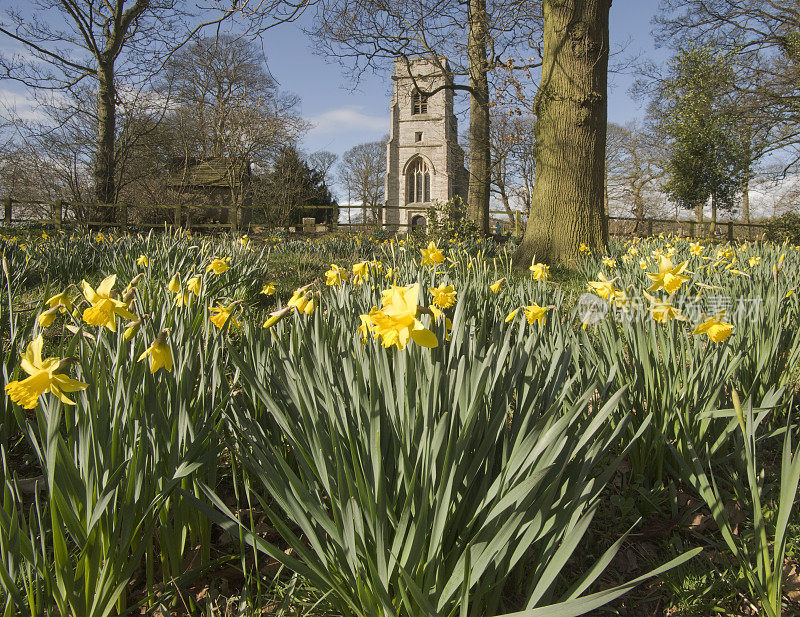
column 104, row 168
column 571, row 113
column 746, row 202
column 479, row 144
column 713, row 225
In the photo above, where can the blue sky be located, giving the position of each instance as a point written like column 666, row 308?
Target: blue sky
column 344, row 118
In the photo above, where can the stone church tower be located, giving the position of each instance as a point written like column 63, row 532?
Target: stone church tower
column 424, row 161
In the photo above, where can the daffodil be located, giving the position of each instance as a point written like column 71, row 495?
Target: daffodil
column 303, row 301
column 583, row 248
column 143, row 261
column 540, row 272
column 222, row 314
column 444, row 296
column 160, row 354
column 604, row 287
column 497, row 285
column 194, row 285
column 534, row 312
column 431, row 255
column 696, row 249
column 668, row 277
column 244, row 240
column 663, row 310
column 62, row 301
column 46, row 318
column 754, row 261
column 511, row 315
column 104, row 308
column 360, row 272
column 174, row 284
column 218, row 266
column 44, row 376
column 609, row 263
column 333, row 277
column 268, row 289
column 396, row 322
column 131, row 329
column 716, row 329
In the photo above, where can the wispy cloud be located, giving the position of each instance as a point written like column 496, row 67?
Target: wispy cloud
column 347, row 119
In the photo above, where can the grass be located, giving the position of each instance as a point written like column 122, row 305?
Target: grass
column 218, row 572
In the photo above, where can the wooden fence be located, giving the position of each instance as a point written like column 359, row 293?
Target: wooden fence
column 618, row 225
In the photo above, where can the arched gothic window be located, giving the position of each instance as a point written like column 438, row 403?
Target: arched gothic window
column 419, row 103
column 418, row 178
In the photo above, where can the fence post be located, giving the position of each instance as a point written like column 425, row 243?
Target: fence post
column 176, row 214
column 649, row 227
column 7, row 206
column 517, row 223
column 57, row 212
column 730, row 231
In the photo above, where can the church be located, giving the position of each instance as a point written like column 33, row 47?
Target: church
column 424, row 162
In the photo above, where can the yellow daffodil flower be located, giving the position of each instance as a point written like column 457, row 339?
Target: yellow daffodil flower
column 668, row 277
column 540, row 272
column 360, row 272
column 497, row 285
column 302, row 301
column 268, row 289
column 104, row 308
column 44, row 376
column 218, row 266
column 396, row 322
column 604, row 287
column 716, row 329
column 174, row 284
column 143, row 261
column 444, row 296
column 696, row 249
column 584, row 249
column 432, row 255
column 160, row 354
column 194, row 284
column 534, row 312
column 511, row 315
column 663, row 311
column 221, row 316
column 608, row 262
column 333, row 277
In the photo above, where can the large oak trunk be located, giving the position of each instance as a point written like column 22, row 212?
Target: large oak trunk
column 105, row 189
column 479, row 149
column 567, row 203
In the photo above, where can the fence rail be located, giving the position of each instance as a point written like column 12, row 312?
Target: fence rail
column 618, row 225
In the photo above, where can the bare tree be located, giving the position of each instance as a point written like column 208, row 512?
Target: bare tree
column 115, row 47
column 323, row 161
column 467, row 38
column 635, row 161
column 362, row 171
column 513, row 160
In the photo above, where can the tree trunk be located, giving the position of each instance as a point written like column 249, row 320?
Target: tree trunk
column 104, row 182
column 571, row 114
column 746, row 202
column 479, row 144
column 713, row 226
column 638, row 207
